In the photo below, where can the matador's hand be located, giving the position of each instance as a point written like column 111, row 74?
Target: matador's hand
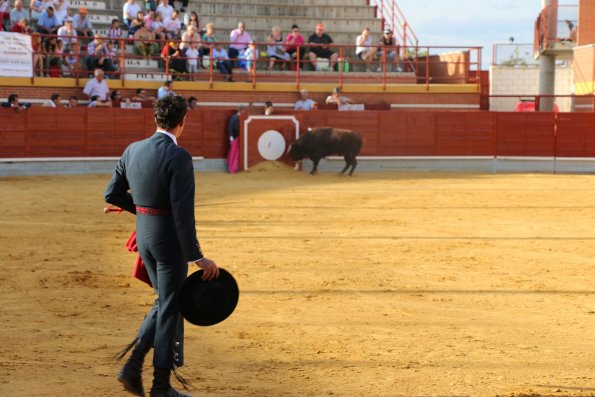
column 211, row 271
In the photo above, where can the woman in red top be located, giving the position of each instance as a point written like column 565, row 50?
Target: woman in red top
column 294, row 39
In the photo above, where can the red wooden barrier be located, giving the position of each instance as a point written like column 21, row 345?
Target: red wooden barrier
column 47, row 132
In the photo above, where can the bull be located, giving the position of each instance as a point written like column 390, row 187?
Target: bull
column 321, row 142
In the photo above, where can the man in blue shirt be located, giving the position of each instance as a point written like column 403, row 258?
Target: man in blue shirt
column 48, row 22
column 166, row 89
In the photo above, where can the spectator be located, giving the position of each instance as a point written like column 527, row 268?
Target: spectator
column 268, row 108
column 116, row 99
column 222, row 61
column 208, row 38
column 99, row 56
column 338, row 99
column 97, row 86
column 18, row 12
column 172, row 26
column 190, row 36
column 276, row 49
column 37, row 7
column 157, row 27
column 36, row 45
column 141, row 96
column 143, row 44
column 294, row 40
column 233, row 125
column 165, row 9
column 321, row 49
column 96, row 102
column 54, row 101
column 364, row 49
column 192, row 56
column 22, row 26
column 239, row 40
column 4, row 13
column 67, row 34
column 251, row 56
column 130, row 11
column 135, row 24
column 114, row 32
column 192, row 103
column 166, row 89
column 61, row 9
column 82, row 23
column 73, row 102
column 13, row 102
column 64, row 67
column 192, row 21
column 172, row 54
column 48, row 22
column 52, row 61
column 388, row 45
column 305, row 103
column 572, row 30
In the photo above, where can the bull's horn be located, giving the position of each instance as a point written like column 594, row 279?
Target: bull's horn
column 288, row 148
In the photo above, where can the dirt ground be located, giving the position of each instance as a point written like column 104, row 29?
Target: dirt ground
column 384, row 284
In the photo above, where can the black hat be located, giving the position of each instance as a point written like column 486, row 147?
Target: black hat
column 208, row 302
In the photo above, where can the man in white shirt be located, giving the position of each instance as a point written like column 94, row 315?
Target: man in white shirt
column 54, row 101
column 165, row 9
column 130, row 10
column 166, row 89
column 173, row 25
column 97, row 86
column 18, row 13
column 67, row 34
column 239, row 40
column 304, row 103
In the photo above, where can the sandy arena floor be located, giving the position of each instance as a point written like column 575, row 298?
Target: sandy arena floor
column 384, row 284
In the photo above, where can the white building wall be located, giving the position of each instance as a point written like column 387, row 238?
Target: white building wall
column 519, row 81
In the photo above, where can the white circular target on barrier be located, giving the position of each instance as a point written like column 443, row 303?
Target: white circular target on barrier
column 271, row 145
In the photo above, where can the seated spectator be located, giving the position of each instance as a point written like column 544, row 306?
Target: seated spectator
column 157, row 27
column 36, row 45
column 48, row 22
column 129, row 12
column 141, row 96
column 192, row 20
column 338, row 99
column 143, row 44
column 4, row 13
column 192, row 59
column 82, row 23
column 73, row 102
column 172, row 54
column 96, row 102
column 97, row 86
column 116, row 98
column 276, row 49
column 222, row 61
column 388, row 47
column 65, row 68
column 114, row 32
column 239, row 40
column 293, row 41
column 99, row 56
column 268, row 108
column 172, row 26
column 165, row 9
column 251, row 56
column 166, row 89
column 18, row 12
column 364, row 49
column 61, row 9
column 68, row 35
column 135, row 24
column 321, row 48
column 190, row 36
column 192, row 103
column 54, row 101
column 13, row 102
column 37, row 7
column 208, row 38
column 22, row 26
column 305, row 103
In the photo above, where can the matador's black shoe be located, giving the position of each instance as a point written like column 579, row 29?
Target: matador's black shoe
column 131, row 373
column 162, row 387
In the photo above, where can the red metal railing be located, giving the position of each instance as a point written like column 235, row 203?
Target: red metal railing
column 555, row 24
column 532, row 103
column 422, row 65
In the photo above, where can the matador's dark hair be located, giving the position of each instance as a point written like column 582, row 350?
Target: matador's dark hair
column 170, row 111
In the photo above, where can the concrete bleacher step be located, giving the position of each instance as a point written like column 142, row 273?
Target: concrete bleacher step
column 145, row 76
column 321, row 12
column 90, row 5
column 141, row 64
column 306, row 24
column 102, row 19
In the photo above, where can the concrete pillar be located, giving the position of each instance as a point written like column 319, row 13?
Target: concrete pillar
column 547, row 63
